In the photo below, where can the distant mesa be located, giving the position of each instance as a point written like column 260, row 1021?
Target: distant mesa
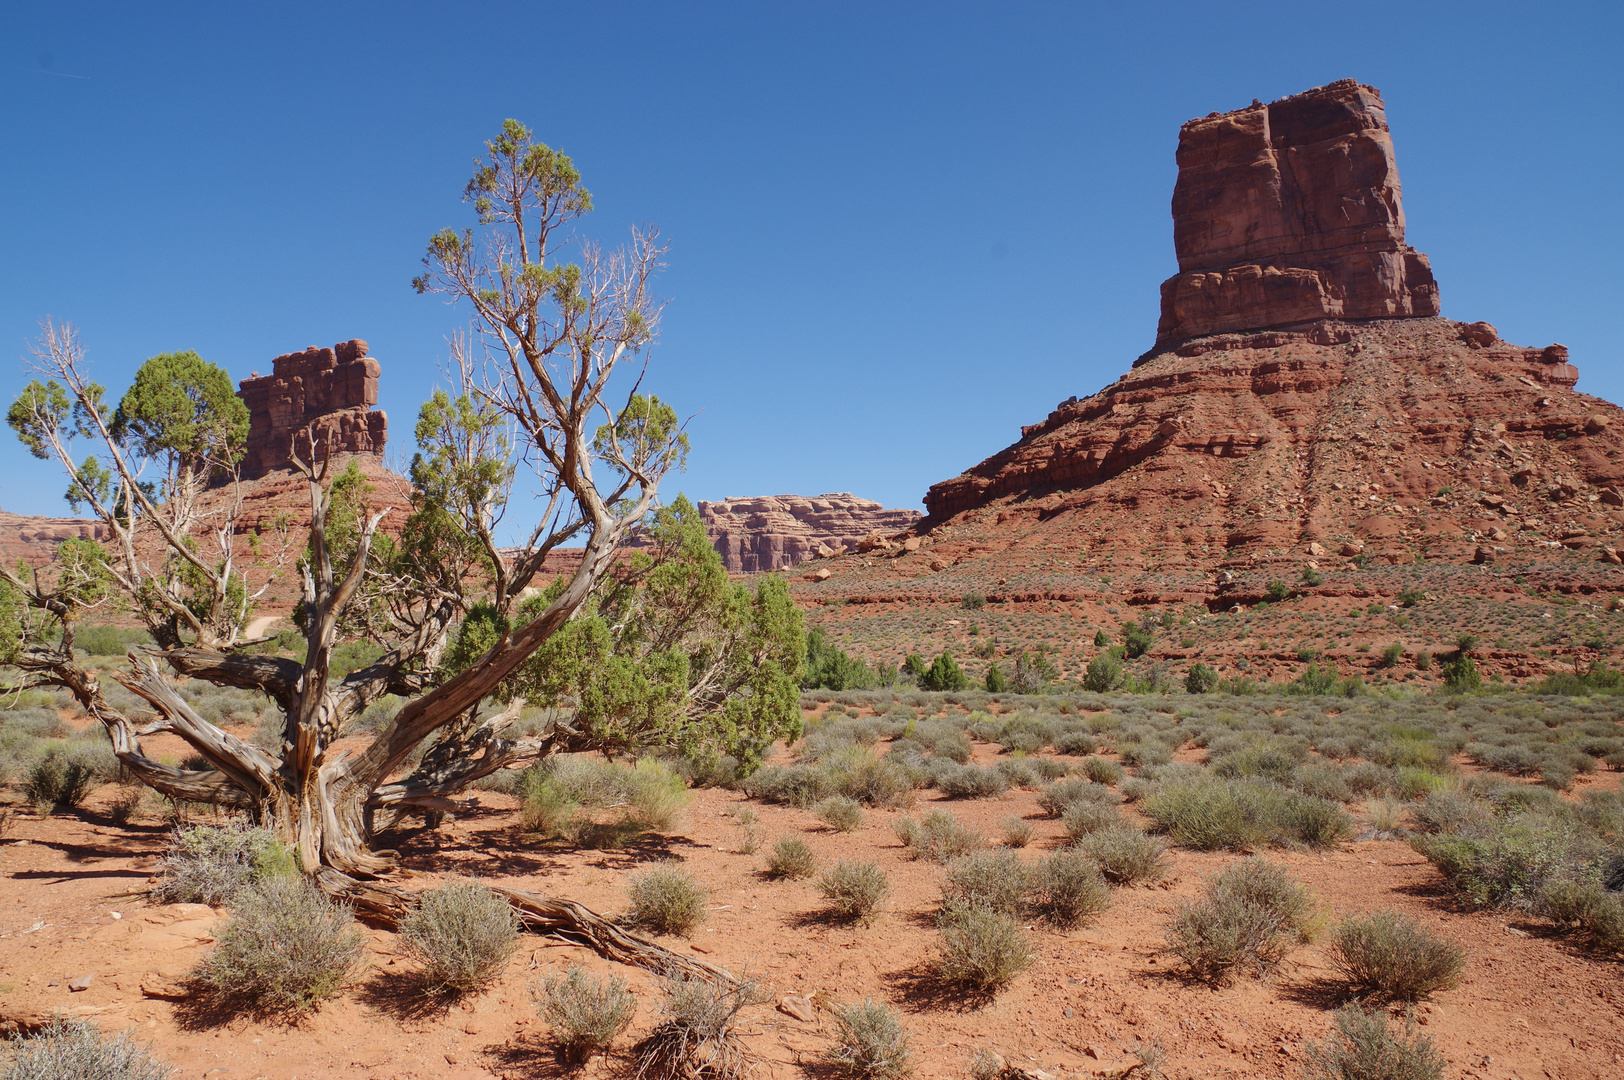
column 1290, row 212
column 772, row 532
column 328, row 393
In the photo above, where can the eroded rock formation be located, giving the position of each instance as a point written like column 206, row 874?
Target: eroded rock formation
column 773, row 531
column 34, row 540
column 329, row 392
column 1291, row 212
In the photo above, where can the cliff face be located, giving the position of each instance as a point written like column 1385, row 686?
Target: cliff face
column 34, row 540
column 773, row 531
column 1291, row 212
column 329, row 392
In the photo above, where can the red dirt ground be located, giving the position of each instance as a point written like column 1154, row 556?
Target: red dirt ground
column 1530, row 1005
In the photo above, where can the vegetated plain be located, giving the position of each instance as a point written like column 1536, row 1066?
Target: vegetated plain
column 969, row 903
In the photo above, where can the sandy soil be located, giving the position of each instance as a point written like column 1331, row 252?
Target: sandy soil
column 1531, row 1005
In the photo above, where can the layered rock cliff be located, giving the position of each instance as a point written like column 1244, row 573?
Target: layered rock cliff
column 1291, row 212
column 328, row 393
column 773, row 531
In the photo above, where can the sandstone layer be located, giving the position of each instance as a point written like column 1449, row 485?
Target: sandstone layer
column 773, row 531
column 328, row 393
column 1288, row 213
column 33, row 540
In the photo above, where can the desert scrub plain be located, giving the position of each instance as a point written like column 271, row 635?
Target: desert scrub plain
column 1265, row 884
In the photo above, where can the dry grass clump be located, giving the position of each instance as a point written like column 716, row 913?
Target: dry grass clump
column 1069, row 888
column 938, row 836
column 1061, row 795
column 870, row 1042
column 1017, row 831
column 853, row 890
column 1363, row 1047
column 665, row 899
column 1252, row 915
column 1085, row 818
column 699, row 1037
column 462, row 934
column 1102, row 770
column 286, row 948
column 585, row 1014
column 840, row 813
column 992, row 880
column 791, row 858
column 1387, row 957
column 982, row 950
column 1240, row 814
column 76, row 1050
column 1124, row 854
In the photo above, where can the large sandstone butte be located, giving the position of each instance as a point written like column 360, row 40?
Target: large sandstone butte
column 1290, row 212
column 770, row 532
column 1271, row 438
column 327, row 392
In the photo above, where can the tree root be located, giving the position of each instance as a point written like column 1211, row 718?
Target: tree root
column 544, row 915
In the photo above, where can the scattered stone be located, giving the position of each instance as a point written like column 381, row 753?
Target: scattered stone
column 164, row 989
column 799, row 1007
column 81, row 983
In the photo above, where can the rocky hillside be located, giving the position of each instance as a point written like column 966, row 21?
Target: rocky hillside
column 771, row 532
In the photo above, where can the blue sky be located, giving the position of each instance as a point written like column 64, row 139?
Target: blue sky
column 898, row 231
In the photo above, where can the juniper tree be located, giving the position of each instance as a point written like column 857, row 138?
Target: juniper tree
column 686, row 658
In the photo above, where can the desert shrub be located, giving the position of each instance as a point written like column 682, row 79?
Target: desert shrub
column 209, row 864
column 995, row 880
column 698, row 1036
column 545, row 806
column 1148, row 753
column 286, row 947
column 58, row 781
column 853, row 891
column 1017, row 831
column 1386, row 816
column 938, row 836
column 655, row 795
column 968, row 781
column 76, row 1050
column 108, row 640
column 1084, row 818
column 791, row 858
column 1047, row 768
column 1061, row 794
column 1387, row 957
column 1102, row 770
column 870, row 1041
column 1362, row 1047
column 1592, row 909
column 1201, row 679
column 1124, row 854
column 1413, row 783
column 36, row 723
column 1068, row 888
column 462, row 935
column 1207, row 815
column 982, row 951
column 1461, row 674
column 1271, row 759
column 1452, row 812
column 1512, row 864
column 800, row 785
column 840, row 813
column 1020, row 772
column 857, row 774
column 1368, row 778
column 665, row 899
column 954, row 746
column 1250, row 917
column 1076, row 742
column 585, row 1014
column 1323, row 781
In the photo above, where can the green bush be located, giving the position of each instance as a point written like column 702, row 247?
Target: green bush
column 1076, row 743
column 1363, row 1048
column 996, row 880
column 1102, row 770
column 1104, row 674
column 462, row 934
column 791, row 858
column 870, row 1042
column 1461, row 674
column 1588, row 907
column 1069, row 888
column 840, row 813
column 1084, row 818
column 1385, row 956
column 108, row 640
column 1063, row 794
column 585, row 1014
column 982, row 951
column 1201, row 680
column 58, row 781
column 76, row 1050
column 853, row 891
column 665, row 899
column 286, row 947
column 1251, row 916
column 208, row 864
column 968, row 781
column 1513, row 864
column 1124, row 854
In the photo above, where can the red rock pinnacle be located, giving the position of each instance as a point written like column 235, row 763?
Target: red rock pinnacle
column 1290, row 212
column 328, row 391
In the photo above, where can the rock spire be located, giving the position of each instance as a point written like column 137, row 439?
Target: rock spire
column 327, row 391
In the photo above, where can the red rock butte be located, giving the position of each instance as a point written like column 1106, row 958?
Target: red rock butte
column 329, row 392
column 1291, row 212
column 771, row 532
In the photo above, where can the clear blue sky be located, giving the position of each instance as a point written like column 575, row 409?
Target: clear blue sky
column 898, row 231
